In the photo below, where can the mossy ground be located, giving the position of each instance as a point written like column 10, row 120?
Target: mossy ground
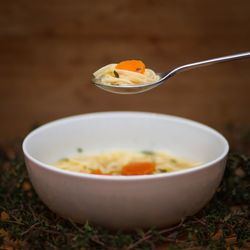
column 25, row 222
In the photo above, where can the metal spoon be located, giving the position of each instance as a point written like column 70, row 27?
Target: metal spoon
column 139, row 88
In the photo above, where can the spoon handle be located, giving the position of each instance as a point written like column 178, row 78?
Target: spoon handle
column 208, row 62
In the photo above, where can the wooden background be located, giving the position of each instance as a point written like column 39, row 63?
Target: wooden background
column 49, row 49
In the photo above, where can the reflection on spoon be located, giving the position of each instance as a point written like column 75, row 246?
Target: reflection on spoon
column 126, row 88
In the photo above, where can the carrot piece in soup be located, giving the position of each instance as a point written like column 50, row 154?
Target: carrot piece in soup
column 132, row 65
column 138, row 168
column 96, row 171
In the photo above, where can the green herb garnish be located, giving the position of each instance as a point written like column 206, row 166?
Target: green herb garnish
column 116, row 74
column 163, row 170
column 147, row 152
column 64, row 159
column 79, row 150
column 173, row 160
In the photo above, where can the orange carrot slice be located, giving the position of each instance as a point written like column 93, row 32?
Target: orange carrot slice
column 132, row 65
column 138, row 168
column 96, row 171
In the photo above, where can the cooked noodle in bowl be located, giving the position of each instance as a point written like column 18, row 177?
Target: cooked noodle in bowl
column 124, row 162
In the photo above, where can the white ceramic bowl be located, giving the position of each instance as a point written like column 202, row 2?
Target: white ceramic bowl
column 122, row 202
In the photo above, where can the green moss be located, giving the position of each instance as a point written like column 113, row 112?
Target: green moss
column 222, row 224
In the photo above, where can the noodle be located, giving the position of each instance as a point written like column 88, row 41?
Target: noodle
column 113, row 162
column 110, row 75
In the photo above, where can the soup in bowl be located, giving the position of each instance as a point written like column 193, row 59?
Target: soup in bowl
column 126, row 201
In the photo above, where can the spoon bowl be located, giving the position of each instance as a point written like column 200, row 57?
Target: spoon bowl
column 127, row 89
column 139, row 88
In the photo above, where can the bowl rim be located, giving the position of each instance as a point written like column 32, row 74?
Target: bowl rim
column 120, row 177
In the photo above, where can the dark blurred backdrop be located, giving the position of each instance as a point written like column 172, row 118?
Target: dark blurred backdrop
column 49, row 49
